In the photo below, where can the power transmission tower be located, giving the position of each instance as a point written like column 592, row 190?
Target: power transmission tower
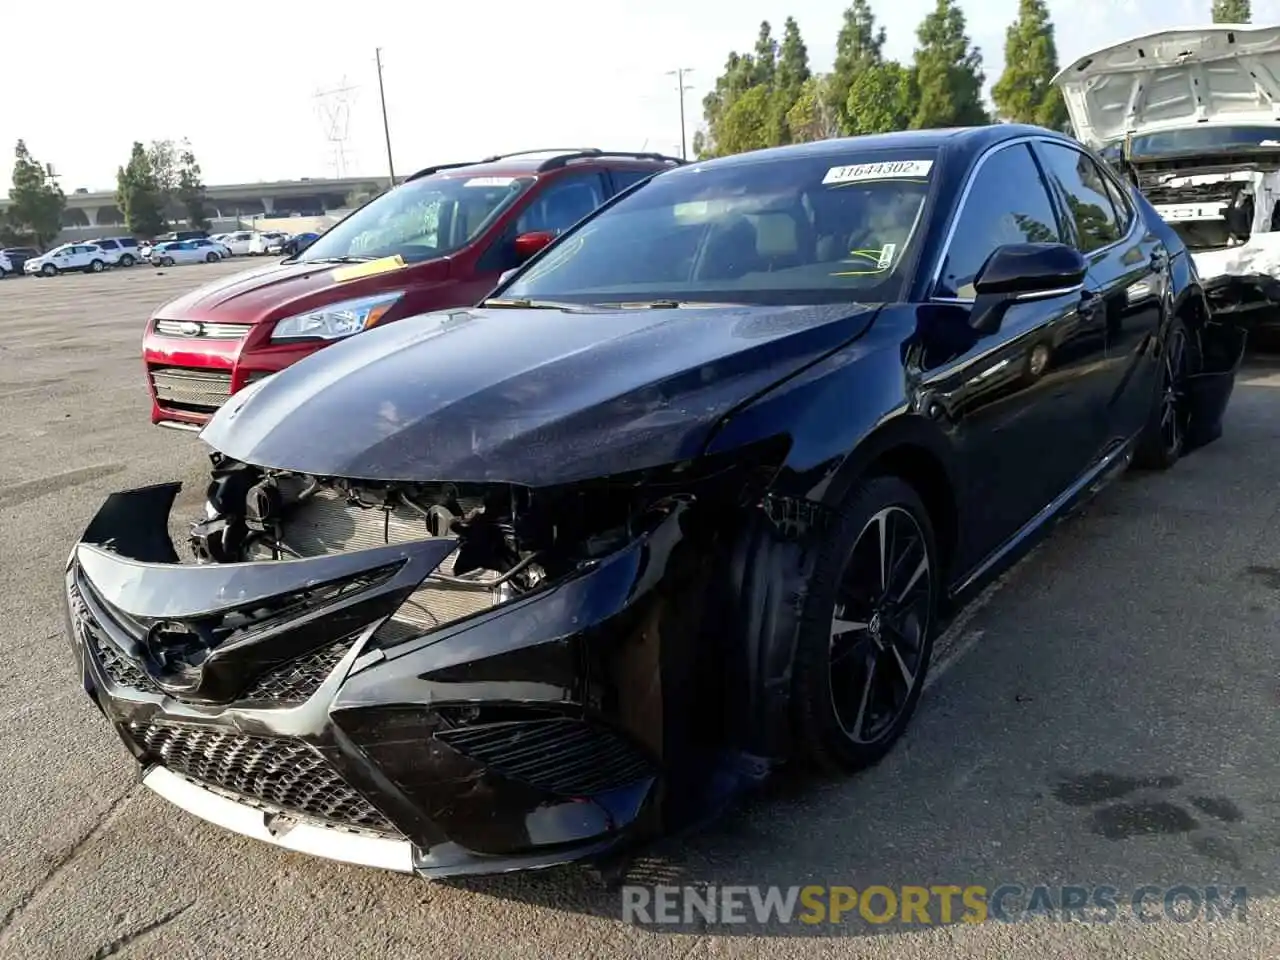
column 679, row 73
column 334, row 109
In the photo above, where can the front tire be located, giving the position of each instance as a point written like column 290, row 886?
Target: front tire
column 866, row 634
column 49, row 270
column 211, row 258
column 166, row 261
column 1164, row 436
column 127, row 260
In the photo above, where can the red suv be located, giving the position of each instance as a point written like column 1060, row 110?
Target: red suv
column 441, row 239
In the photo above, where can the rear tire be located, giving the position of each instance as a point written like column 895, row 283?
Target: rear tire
column 97, row 266
column 867, row 627
column 1165, row 433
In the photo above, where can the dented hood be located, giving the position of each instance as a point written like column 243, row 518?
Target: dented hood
column 1216, row 74
column 530, row 396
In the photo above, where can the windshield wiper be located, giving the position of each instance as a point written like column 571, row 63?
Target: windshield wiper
column 338, row 260
column 522, row 304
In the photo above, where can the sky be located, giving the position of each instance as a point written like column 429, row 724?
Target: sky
column 242, row 81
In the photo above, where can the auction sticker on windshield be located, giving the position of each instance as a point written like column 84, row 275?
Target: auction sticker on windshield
column 370, row 269
column 885, row 170
column 489, row 182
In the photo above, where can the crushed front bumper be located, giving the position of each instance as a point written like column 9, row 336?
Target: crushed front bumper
column 538, row 732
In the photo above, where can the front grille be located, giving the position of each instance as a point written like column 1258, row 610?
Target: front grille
column 296, row 682
column 280, row 775
column 328, row 523
column 572, row 758
column 122, row 671
column 191, row 389
column 201, row 331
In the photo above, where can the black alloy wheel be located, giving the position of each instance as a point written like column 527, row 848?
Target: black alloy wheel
column 860, row 678
column 879, row 625
column 1165, row 434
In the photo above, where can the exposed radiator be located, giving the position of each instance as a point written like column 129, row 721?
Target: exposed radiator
column 328, row 524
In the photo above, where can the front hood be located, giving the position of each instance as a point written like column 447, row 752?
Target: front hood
column 279, row 289
column 537, row 397
column 1217, row 74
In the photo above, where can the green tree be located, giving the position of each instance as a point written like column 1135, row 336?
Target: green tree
column 1232, row 11
column 948, row 72
column 1025, row 92
column 765, row 57
column 746, row 125
column 36, row 201
column 139, row 196
column 880, row 100
column 190, row 190
column 859, row 46
column 789, row 79
column 737, row 79
column 811, row 117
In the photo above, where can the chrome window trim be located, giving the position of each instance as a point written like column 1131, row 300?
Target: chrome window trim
column 936, row 275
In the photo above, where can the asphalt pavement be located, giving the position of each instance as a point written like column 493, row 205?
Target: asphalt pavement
column 1107, row 714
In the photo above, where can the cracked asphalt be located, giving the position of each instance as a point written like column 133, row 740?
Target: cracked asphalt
column 1108, row 714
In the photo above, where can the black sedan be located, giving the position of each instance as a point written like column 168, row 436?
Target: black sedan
column 686, row 498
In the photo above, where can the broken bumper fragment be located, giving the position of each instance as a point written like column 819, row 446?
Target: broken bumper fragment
column 262, row 696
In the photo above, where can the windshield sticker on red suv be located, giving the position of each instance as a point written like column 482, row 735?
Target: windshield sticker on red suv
column 489, row 182
column 885, row 170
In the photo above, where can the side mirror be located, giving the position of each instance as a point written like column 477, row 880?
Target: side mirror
column 1024, row 271
column 527, row 244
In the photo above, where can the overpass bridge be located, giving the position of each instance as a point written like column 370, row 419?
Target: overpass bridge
column 95, row 211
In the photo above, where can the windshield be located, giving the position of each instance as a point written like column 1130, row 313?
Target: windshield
column 420, row 220
column 804, row 230
column 1198, row 139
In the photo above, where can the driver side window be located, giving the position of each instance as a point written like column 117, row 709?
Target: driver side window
column 1007, row 203
column 562, row 204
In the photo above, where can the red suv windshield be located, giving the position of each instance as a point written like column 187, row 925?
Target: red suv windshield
column 420, row 220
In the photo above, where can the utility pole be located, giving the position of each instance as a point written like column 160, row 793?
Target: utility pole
column 679, row 74
column 386, row 128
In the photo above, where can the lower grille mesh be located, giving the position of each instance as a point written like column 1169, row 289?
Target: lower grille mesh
column 282, row 774
column 191, row 388
column 564, row 756
column 295, row 682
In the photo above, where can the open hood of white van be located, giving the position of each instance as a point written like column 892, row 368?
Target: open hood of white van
column 1217, row 74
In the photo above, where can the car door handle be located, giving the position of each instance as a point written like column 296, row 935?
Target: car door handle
column 1090, row 303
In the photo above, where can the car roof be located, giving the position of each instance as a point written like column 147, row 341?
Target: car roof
column 529, row 163
column 961, row 139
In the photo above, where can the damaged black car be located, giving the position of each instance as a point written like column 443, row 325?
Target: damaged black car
column 687, row 498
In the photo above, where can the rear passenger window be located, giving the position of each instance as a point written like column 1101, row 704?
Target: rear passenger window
column 1007, row 202
column 1084, row 190
column 625, row 178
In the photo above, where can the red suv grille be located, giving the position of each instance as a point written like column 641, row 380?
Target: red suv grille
column 196, row 389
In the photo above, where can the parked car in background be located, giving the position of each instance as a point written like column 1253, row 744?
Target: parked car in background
column 812, row 398
column 441, row 239
column 85, row 257
column 6, row 266
column 213, row 245
column 19, row 256
column 120, row 251
column 299, row 242
column 182, row 251
column 260, row 243
column 277, row 244
column 238, row 242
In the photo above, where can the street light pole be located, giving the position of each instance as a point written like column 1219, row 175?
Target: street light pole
column 679, row 74
column 386, row 128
